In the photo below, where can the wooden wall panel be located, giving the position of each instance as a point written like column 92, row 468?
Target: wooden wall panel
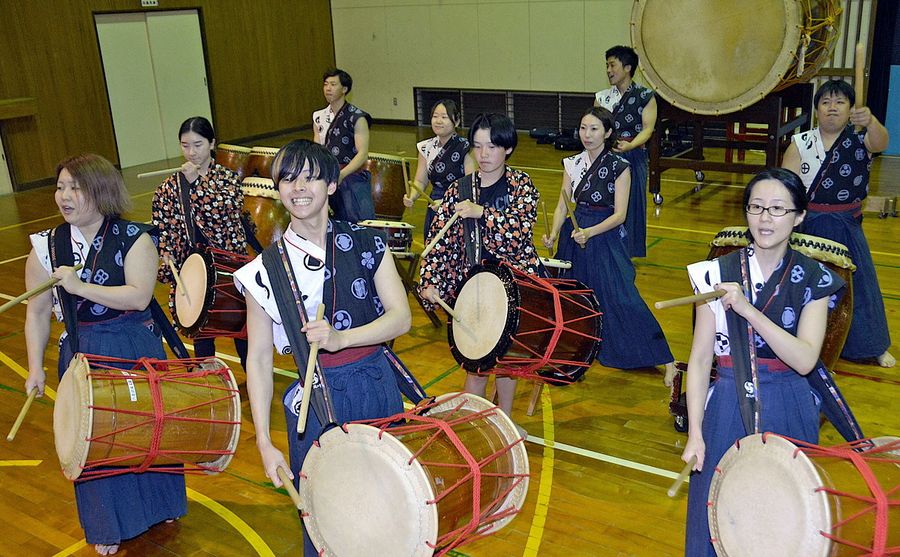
column 265, row 60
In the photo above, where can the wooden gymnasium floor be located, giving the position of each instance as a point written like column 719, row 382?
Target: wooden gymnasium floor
column 602, row 451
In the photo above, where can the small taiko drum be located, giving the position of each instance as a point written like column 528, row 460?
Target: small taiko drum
column 259, row 163
column 134, row 414
column 234, row 157
column 556, row 267
column 213, row 307
column 455, row 470
column 770, row 496
column 516, row 324
column 265, row 208
column 834, row 255
column 389, row 177
column 399, row 234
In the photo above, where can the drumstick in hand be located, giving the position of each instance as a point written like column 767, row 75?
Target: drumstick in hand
column 25, row 407
column 859, row 77
column 663, row 304
column 162, row 172
column 178, row 284
column 289, row 486
column 440, row 234
column 685, row 472
column 448, row 309
column 547, row 225
column 571, row 213
column 434, row 203
column 309, row 377
column 34, row 291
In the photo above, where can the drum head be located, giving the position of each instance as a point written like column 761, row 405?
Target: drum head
column 73, row 417
column 764, row 501
column 715, row 56
column 366, row 495
column 486, row 310
column 195, row 278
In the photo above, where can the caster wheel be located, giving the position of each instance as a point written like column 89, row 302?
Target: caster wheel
column 699, row 175
column 657, row 198
column 681, row 424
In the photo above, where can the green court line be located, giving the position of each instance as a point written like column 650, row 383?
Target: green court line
column 440, row 377
column 654, row 242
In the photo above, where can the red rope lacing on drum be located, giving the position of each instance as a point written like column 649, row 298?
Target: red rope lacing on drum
column 154, row 372
column 223, row 265
column 557, row 324
column 483, row 515
column 860, row 453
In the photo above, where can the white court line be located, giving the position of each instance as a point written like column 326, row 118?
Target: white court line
column 10, row 260
column 603, row 457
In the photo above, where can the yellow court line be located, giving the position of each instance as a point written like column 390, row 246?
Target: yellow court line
column 536, row 533
column 242, row 527
column 71, row 549
column 20, row 462
column 18, row 224
column 704, row 232
column 13, row 365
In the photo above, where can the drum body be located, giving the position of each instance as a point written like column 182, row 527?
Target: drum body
column 268, row 213
column 154, row 412
column 410, row 490
column 399, row 234
column 213, row 306
column 259, row 163
column 720, row 56
column 769, row 497
column 516, row 324
column 834, row 255
column 389, row 177
column 234, row 157
column 556, row 267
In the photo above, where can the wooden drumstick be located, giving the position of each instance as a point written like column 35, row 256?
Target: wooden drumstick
column 289, row 486
column 18, row 423
column 663, row 304
column 309, row 377
column 859, row 78
column 571, row 213
column 685, row 472
column 162, row 172
column 547, row 225
column 448, row 309
column 34, row 291
column 440, row 234
column 434, row 203
column 178, row 284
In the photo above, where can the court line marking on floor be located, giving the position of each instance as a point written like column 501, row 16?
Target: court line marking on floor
column 604, row 457
column 13, row 365
column 542, row 506
column 251, row 535
column 71, row 549
column 20, row 462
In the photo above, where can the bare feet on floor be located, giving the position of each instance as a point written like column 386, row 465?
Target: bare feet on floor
column 103, row 549
column 670, row 374
column 886, row 360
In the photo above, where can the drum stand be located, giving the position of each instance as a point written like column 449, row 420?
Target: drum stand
column 407, row 275
column 532, row 403
column 778, row 114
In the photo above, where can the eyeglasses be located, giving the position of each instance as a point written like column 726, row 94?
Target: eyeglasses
column 776, row 211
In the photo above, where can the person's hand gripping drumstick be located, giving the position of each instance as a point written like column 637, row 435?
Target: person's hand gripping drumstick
column 18, row 423
column 179, row 286
column 288, row 484
column 685, row 472
column 313, row 334
column 46, row 285
column 409, row 200
column 440, row 234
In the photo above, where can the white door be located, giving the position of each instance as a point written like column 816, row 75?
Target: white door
column 155, row 79
column 5, row 179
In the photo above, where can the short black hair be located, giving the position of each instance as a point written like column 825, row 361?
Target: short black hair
column 343, row 77
column 606, row 118
column 199, row 125
column 450, row 107
column 835, row 87
column 626, row 55
column 503, row 132
column 791, row 182
column 302, row 153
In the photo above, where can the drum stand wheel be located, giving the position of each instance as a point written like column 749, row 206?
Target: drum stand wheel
column 657, row 198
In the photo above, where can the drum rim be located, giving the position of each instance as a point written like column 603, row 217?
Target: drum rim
column 208, row 301
column 422, row 488
column 818, row 500
column 74, row 379
column 758, row 91
column 233, row 148
column 489, row 360
column 264, row 151
column 220, row 464
column 740, row 236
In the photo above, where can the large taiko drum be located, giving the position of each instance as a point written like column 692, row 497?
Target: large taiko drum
column 398, row 233
column 834, row 255
column 770, row 497
column 389, row 177
column 131, row 415
column 512, row 323
column 372, row 489
column 259, row 163
column 213, row 307
column 234, row 157
column 265, row 208
column 720, row 56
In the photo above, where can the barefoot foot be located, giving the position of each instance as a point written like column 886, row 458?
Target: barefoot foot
column 104, row 549
column 670, row 374
column 886, row 360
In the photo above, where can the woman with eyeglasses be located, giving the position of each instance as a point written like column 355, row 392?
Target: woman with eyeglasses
column 775, row 304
